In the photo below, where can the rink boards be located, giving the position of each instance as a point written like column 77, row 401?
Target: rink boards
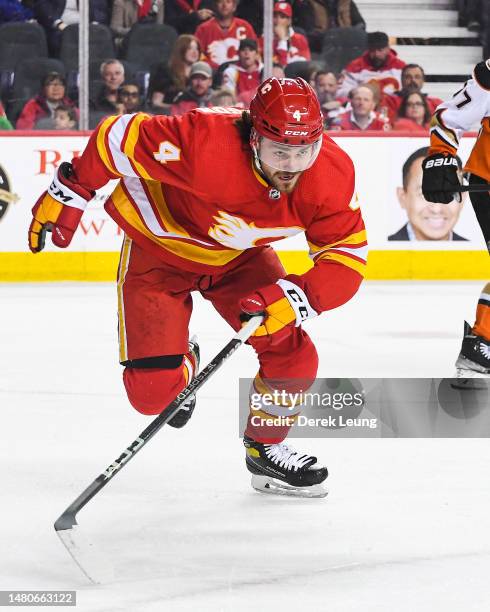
column 27, row 161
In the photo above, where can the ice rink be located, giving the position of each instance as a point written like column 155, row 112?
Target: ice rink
column 406, row 526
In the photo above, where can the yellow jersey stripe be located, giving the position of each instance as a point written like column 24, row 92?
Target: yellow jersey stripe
column 102, row 147
column 261, row 180
column 158, row 197
column 357, row 238
column 192, row 252
column 350, row 262
column 131, row 140
column 123, row 268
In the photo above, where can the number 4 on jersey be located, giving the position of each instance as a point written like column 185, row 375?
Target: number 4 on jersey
column 167, row 152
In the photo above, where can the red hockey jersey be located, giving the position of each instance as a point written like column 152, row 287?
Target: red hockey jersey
column 190, row 194
column 220, row 45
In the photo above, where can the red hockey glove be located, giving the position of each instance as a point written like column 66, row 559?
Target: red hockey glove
column 284, row 303
column 59, row 209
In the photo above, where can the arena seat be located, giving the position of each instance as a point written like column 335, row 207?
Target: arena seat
column 101, row 45
column 148, row 44
column 342, row 45
column 19, row 41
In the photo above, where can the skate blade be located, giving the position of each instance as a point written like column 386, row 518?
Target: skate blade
column 471, row 381
column 470, row 375
column 265, row 484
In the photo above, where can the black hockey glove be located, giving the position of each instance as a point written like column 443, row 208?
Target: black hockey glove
column 440, row 182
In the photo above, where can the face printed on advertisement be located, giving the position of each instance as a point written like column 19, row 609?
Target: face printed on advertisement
column 429, row 221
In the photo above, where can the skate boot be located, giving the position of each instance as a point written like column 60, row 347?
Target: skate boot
column 185, row 412
column 473, row 362
column 279, row 469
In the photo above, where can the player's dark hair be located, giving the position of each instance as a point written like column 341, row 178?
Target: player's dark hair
column 244, row 126
column 411, row 159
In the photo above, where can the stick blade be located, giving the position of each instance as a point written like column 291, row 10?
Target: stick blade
column 86, row 556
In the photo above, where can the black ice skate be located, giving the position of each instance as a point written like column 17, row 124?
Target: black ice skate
column 185, row 413
column 473, row 361
column 279, row 469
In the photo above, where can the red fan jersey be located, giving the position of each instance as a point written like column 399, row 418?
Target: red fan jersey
column 294, row 49
column 190, row 194
column 239, row 81
column 221, row 45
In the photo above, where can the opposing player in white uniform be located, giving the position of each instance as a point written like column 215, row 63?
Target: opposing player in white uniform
column 468, row 107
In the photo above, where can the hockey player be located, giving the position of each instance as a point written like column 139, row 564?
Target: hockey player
column 469, row 106
column 200, row 197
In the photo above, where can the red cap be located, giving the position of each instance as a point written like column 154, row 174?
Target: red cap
column 287, row 111
column 283, row 7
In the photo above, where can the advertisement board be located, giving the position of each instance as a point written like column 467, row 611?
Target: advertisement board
column 407, row 238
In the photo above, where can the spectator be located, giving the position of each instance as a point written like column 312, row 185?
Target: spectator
column 326, row 85
column 223, row 98
column 426, row 221
column 288, row 46
column 414, row 114
column 317, row 16
column 413, row 80
column 55, row 15
column 168, row 80
column 112, row 73
column 379, row 63
column 198, row 93
column 14, row 10
column 362, row 115
column 4, row 122
column 220, row 35
column 65, row 118
column 243, row 77
column 125, row 13
column 186, row 15
column 53, row 88
column 278, row 71
column 129, row 98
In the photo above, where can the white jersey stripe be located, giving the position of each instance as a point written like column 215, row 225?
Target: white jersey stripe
column 116, row 136
column 138, row 194
column 360, row 251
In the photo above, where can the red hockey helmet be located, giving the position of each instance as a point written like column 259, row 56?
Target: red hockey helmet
column 287, row 111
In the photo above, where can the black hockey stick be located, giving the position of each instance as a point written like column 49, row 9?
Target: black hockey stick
column 472, row 188
column 66, row 522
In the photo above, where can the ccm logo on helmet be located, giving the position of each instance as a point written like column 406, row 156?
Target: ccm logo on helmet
column 295, row 133
column 446, row 161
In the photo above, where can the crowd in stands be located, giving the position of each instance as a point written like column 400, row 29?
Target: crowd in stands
column 216, row 60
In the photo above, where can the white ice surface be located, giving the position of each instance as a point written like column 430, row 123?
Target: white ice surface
column 406, row 526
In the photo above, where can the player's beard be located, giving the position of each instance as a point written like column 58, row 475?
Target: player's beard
column 285, row 182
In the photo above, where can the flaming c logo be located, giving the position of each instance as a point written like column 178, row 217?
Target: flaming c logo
column 6, row 196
